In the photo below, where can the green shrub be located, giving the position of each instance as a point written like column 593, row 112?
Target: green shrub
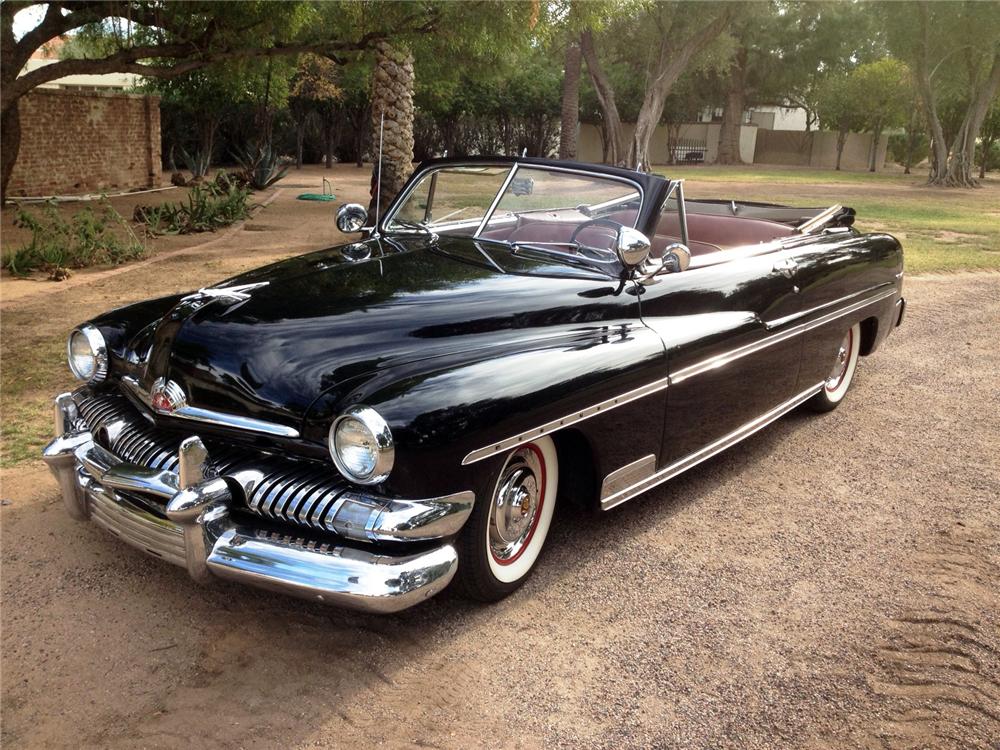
column 87, row 238
column 209, row 206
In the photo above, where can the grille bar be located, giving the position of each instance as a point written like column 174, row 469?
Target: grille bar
column 302, row 492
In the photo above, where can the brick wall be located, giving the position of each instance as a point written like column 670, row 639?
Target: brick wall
column 86, row 142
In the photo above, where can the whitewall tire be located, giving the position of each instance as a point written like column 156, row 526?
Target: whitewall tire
column 841, row 375
column 503, row 538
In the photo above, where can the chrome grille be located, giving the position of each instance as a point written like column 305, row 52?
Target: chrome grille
column 122, row 429
column 303, row 492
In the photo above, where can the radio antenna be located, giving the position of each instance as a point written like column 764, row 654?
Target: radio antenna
column 378, row 174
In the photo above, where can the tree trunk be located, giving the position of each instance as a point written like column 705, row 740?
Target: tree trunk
column 10, row 144
column 606, row 100
column 841, row 140
column 922, row 77
column 952, row 168
column 570, row 120
column 911, row 140
column 671, row 63
column 732, row 114
column 300, row 137
column 873, row 152
column 328, row 133
column 987, row 145
column 392, row 97
column 963, row 148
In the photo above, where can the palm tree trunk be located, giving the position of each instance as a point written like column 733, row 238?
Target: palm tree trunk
column 570, row 101
column 392, row 98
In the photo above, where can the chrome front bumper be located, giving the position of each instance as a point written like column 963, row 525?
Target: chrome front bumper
column 197, row 531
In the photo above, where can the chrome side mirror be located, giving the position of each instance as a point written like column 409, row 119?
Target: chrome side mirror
column 676, row 257
column 351, row 217
column 632, row 247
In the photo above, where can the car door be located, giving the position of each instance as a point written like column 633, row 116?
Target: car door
column 731, row 355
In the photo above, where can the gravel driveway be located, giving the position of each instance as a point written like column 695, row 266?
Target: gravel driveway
column 833, row 582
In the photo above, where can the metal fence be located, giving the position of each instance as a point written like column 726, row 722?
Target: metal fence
column 689, row 151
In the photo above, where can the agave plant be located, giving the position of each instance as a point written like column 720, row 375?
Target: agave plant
column 261, row 166
column 197, row 163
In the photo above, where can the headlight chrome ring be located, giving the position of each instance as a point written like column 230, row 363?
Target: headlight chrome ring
column 87, row 343
column 361, row 445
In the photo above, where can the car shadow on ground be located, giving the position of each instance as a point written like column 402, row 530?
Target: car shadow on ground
column 249, row 648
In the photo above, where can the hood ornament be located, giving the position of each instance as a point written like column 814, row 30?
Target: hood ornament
column 166, row 396
column 238, row 293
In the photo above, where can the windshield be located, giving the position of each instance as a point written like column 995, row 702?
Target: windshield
column 534, row 206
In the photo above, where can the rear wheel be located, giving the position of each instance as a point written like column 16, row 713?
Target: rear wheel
column 504, row 536
column 842, row 373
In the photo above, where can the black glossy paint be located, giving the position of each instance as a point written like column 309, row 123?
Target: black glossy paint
column 459, row 344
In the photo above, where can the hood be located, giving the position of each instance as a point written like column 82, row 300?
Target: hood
column 309, row 324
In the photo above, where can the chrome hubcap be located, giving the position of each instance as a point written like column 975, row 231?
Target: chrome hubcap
column 836, row 375
column 516, row 505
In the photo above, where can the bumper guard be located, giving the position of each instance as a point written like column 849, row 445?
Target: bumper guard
column 199, row 533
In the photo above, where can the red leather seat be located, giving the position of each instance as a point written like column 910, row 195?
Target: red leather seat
column 712, row 234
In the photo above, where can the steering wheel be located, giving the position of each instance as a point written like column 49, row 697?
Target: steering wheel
column 611, row 223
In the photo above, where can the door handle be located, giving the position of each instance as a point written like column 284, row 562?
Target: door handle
column 786, row 267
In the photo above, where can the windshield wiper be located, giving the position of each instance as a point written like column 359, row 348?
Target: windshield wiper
column 580, row 259
column 593, row 254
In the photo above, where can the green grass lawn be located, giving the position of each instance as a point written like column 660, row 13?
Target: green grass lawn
column 941, row 230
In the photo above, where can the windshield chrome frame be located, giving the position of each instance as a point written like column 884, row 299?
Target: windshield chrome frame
column 416, row 179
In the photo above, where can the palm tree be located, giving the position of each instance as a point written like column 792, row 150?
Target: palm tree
column 570, row 101
column 392, row 97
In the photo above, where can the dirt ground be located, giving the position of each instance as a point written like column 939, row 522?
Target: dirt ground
column 832, row 582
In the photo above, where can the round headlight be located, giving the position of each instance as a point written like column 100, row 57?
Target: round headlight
column 88, row 354
column 361, row 445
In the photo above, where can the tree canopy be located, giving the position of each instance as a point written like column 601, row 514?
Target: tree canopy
column 494, row 76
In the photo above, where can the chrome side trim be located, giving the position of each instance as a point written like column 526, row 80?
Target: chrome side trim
column 712, row 363
column 779, row 322
column 617, row 498
column 721, row 360
column 210, row 416
column 557, row 424
column 628, row 475
column 808, row 326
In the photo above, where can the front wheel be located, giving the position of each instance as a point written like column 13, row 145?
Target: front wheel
column 841, row 375
column 503, row 537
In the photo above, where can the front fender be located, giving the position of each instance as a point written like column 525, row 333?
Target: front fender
column 441, row 411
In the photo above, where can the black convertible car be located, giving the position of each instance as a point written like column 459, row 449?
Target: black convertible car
column 363, row 424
